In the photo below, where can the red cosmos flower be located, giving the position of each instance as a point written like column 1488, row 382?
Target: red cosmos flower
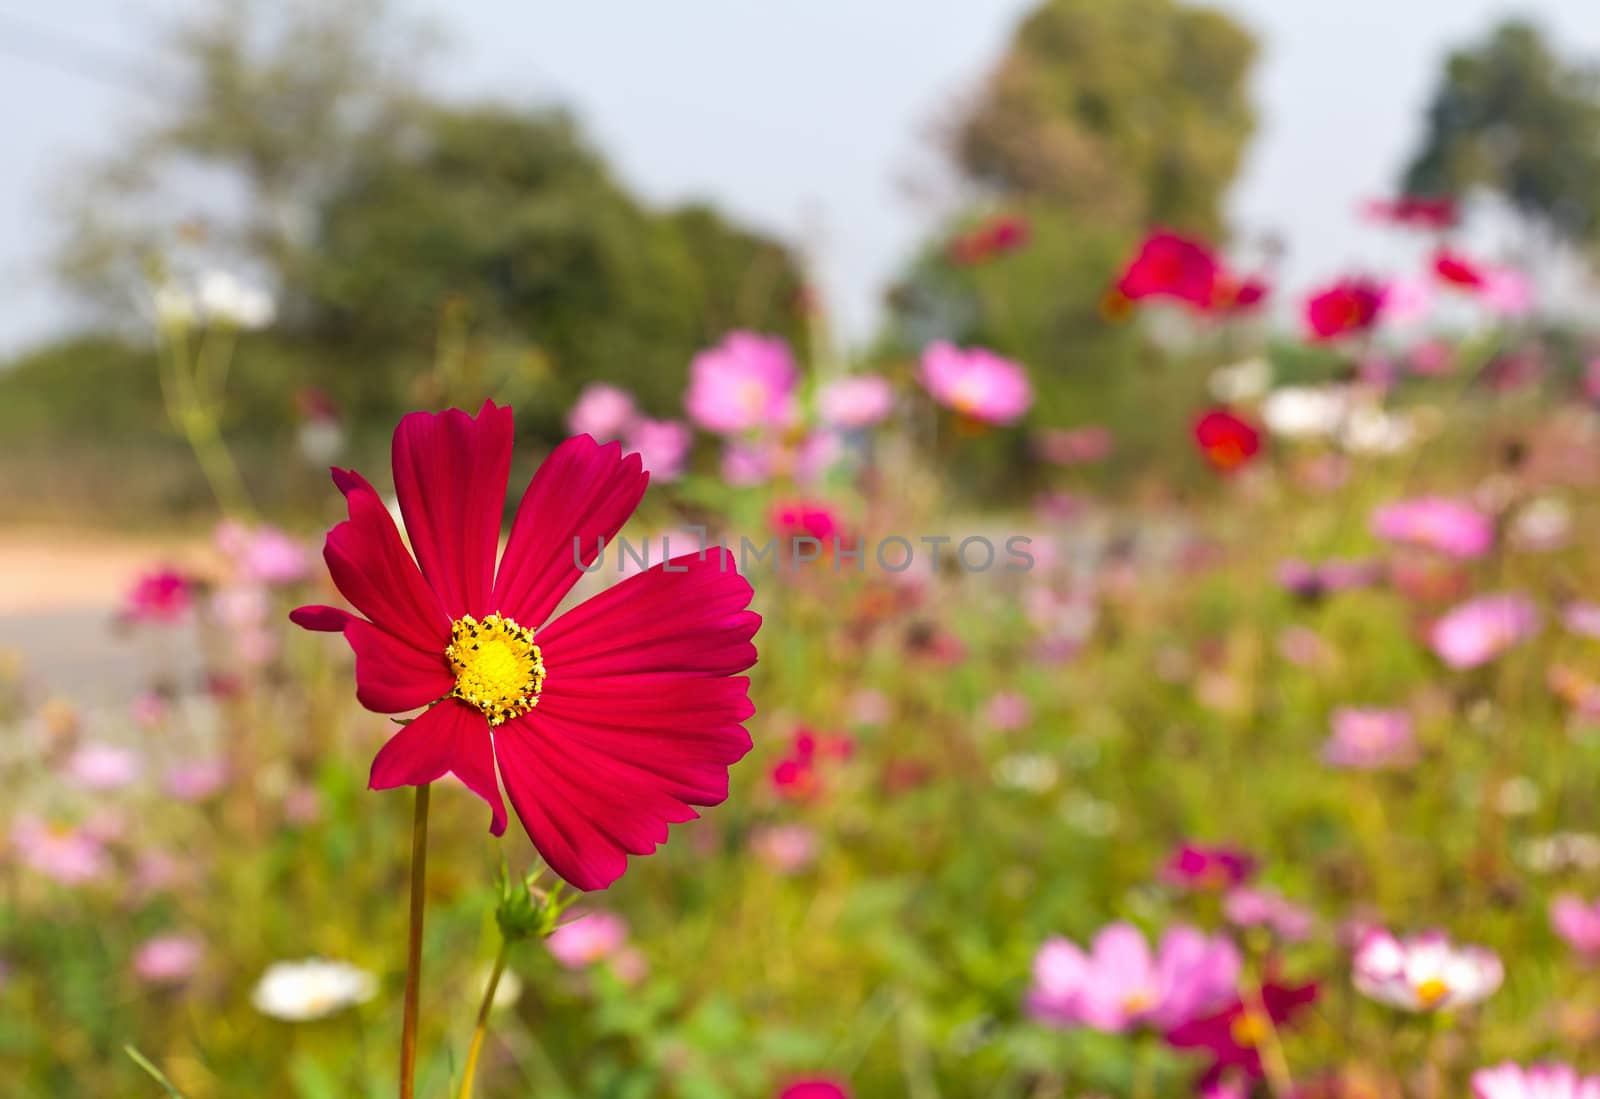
column 1171, row 266
column 1196, row 867
column 1235, row 295
column 805, row 518
column 989, row 240
column 1226, row 441
column 1348, row 306
column 1456, row 269
column 795, row 776
column 610, row 721
column 1416, row 211
column 818, row 1088
column 164, row 595
column 1233, row 1036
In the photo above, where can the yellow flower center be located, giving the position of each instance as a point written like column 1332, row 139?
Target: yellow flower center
column 1138, row 1001
column 1431, row 991
column 1249, row 1029
column 498, row 667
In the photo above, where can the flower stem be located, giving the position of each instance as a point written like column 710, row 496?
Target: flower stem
column 482, row 1028
column 419, row 872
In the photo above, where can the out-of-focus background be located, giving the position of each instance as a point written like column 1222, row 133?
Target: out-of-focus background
column 1271, row 324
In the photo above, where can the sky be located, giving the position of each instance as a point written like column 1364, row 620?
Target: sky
column 812, row 119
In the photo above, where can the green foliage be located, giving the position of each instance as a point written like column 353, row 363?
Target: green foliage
column 511, row 216
column 1131, row 113
column 1511, row 115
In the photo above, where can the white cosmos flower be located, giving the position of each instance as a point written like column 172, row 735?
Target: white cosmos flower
column 1512, row 1081
column 1304, row 411
column 1426, row 972
column 174, row 306
column 1370, row 430
column 311, row 989
column 226, row 299
column 1241, row 382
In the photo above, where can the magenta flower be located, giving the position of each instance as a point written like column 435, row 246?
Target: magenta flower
column 1194, row 866
column 1425, row 972
column 602, row 411
column 1120, row 985
column 1578, row 922
column 976, row 383
column 1479, row 630
column 855, row 402
column 588, row 939
column 1437, row 523
column 818, row 1087
column 744, row 383
column 1366, row 739
column 1512, row 1081
column 167, row 959
column 1234, row 1035
column 663, row 446
column 163, row 596
column 1249, row 907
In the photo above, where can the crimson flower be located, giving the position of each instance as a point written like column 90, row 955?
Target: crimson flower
column 1458, row 270
column 607, row 723
column 1233, row 1036
column 1346, row 307
column 1225, row 440
column 989, row 240
column 1416, row 211
column 1171, row 266
column 1195, row 866
column 1236, row 295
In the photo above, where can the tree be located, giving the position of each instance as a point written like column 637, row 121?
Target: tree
column 1135, row 112
column 1511, row 116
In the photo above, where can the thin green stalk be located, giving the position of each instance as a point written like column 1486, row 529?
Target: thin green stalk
column 482, row 1027
column 419, row 871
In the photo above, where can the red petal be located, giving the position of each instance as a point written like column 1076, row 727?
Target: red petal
column 449, row 737
column 661, row 621
column 583, row 491
column 320, row 618
column 371, row 568
column 392, row 676
column 450, row 473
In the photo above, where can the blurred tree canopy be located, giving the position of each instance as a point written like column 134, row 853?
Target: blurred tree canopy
column 1512, row 116
column 1135, row 113
column 300, row 146
column 1100, row 121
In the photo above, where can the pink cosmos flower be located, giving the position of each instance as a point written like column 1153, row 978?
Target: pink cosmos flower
column 1120, row 985
column 821, row 1088
column 588, row 939
column 103, row 766
column 1582, row 619
column 1370, row 739
column 150, row 710
column 643, row 711
column 855, row 402
column 1479, row 630
column 163, row 596
column 1074, row 446
column 1425, row 972
column 197, row 780
column 787, row 848
column 744, row 383
column 1512, row 1081
column 71, row 856
column 1194, row 866
column 1006, row 711
column 265, row 555
column 1507, row 292
column 1251, row 907
column 167, row 959
column 1578, row 922
column 1407, row 301
column 976, row 383
column 662, row 445
column 1446, row 526
column 602, row 411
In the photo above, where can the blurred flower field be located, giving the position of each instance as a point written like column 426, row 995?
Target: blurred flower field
column 1277, row 780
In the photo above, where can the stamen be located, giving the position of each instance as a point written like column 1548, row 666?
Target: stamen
column 499, row 670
